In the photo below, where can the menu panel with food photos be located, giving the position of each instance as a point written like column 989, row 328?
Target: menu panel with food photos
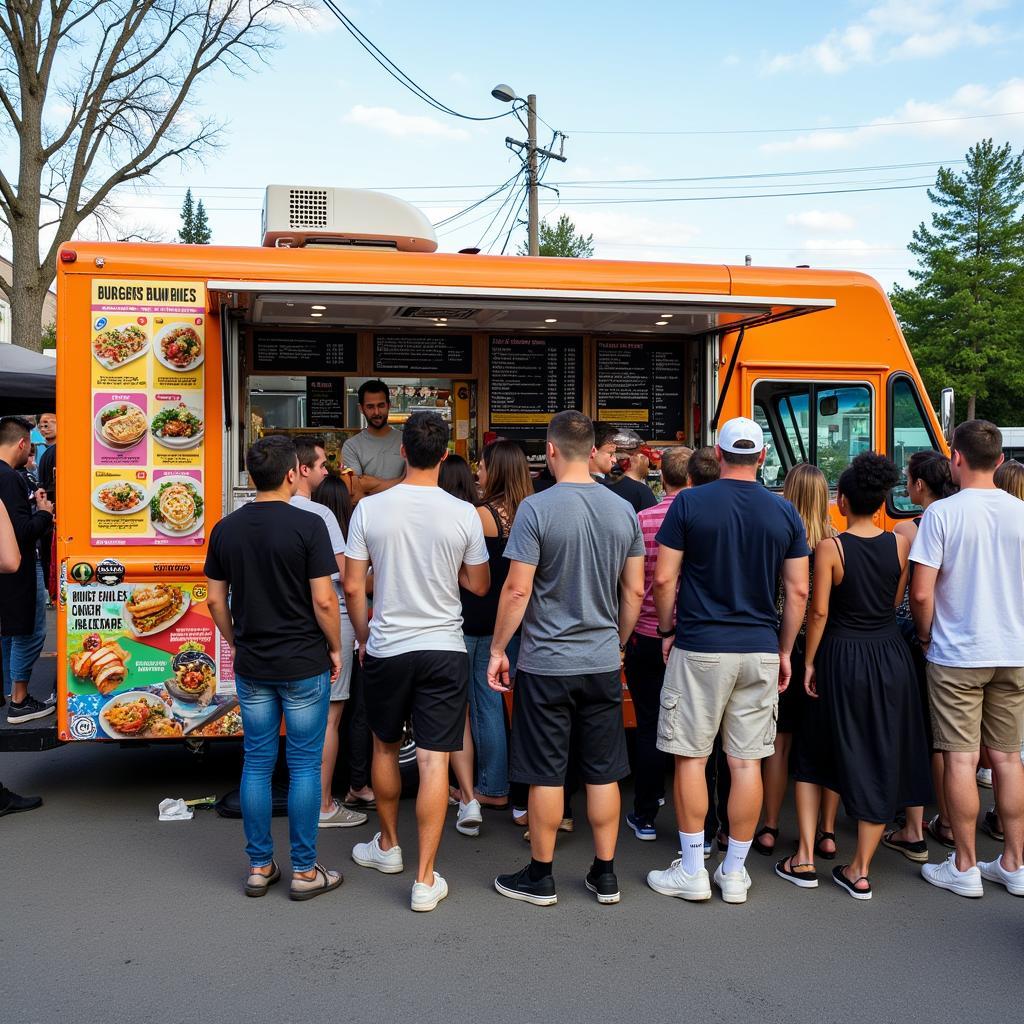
column 148, row 341
column 145, row 662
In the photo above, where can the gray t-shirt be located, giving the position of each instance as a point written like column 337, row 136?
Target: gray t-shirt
column 375, row 456
column 579, row 537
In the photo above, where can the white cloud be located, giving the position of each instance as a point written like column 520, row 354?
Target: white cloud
column 897, row 30
column 389, row 121
column 822, row 220
column 943, row 119
column 731, row 60
column 625, row 236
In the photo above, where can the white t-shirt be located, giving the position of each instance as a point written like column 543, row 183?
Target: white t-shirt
column 976, row 541
column 417, row 539
column 333, row 530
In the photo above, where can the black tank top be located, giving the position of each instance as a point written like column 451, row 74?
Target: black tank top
column 862, row 606
column 479, row 613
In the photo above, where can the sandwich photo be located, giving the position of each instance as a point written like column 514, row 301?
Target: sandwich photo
column 154, row 606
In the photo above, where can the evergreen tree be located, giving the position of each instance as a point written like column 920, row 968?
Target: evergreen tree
column 188, row 218
column 561, row 240
column 200, row 226
column 964, row 317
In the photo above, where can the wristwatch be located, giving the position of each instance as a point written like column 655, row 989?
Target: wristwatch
column 666, row 633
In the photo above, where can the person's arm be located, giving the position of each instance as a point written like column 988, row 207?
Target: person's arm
column 10, row 553
column 665, row 588
column 903, row 550
column 922, row 602
column 475, row 578
column 515, row 596
column 356, row 571
column 220, row 611
column 328, row 617
column 366, row 484
column 824, row 565
column 631, row 596
column 795, row 586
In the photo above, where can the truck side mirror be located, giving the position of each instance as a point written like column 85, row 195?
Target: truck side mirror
column 947, row 411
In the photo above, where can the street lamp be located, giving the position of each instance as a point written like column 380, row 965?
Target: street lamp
column 506, row 94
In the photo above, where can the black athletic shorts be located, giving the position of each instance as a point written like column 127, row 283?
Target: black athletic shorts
column 430, row 687
column 548, row 710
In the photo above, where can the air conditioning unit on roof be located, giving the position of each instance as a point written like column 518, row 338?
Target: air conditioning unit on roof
column 304, row 216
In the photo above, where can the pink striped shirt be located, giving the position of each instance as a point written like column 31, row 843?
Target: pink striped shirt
column 650, row 523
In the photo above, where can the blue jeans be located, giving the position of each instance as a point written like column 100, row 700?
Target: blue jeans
column 487, row 717
column 20, row 653
column 304, row 704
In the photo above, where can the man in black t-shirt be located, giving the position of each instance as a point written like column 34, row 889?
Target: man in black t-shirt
column 283, row 628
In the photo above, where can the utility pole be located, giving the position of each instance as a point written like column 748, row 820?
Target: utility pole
column 504, row 93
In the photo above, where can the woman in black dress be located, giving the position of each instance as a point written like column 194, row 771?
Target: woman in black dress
column 859, row 666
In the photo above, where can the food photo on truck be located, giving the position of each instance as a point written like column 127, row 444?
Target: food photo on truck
column 173, row 359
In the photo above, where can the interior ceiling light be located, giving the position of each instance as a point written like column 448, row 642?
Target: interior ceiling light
column 551, row 320
column 667, row 316
column 660, row 323
column 316, row 314
column 316, row 307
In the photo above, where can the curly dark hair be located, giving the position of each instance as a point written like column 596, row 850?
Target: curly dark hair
column 866, row 481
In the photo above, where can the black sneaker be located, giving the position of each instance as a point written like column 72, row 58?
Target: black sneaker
column 27, row 710
column 11, row 803
column 604, row 886
column 519, row 886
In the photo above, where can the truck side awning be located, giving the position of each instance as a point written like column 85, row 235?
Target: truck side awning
column 374, row 306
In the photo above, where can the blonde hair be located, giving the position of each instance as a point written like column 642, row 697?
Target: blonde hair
column 807, row 488
column 1010, row 477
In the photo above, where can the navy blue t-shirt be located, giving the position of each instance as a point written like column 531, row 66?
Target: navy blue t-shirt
column 735, row 536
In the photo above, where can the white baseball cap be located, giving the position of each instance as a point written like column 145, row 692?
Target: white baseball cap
column 741, row 436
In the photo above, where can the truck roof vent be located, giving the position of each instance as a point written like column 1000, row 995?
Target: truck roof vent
column 307, row 208
column 436, row 313
column 295, row 216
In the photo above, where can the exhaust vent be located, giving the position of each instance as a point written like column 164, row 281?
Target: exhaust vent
column 307, row 208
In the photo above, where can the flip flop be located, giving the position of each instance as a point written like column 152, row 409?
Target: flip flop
column 916, row 851
column 766, row 830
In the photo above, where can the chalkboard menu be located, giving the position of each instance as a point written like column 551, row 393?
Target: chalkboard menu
column 298, row 353
column 640, row 385
column 429, row 354
column 325, row 401
column 531, row 379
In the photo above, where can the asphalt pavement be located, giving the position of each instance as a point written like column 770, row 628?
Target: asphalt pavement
column 108, row 914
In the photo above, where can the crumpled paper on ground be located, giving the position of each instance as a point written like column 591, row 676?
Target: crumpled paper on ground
column 174, row 810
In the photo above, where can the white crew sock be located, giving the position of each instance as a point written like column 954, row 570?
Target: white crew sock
column 736, row 856
column 691, row 849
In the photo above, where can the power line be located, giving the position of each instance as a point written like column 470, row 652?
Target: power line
column 790, row 131
column 395, row 71
column 479, row 202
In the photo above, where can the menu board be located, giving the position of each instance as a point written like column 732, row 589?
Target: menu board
column 148, row 342
column 325, row 401
column 640, row 385
column 435, row 354
column 299, row 353
column 145, row 662
column 532, row 379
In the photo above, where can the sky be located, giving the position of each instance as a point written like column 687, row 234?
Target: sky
column 752, row 103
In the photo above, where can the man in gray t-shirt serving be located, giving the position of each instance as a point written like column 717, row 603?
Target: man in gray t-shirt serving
column 374, row 454
column 576, row 584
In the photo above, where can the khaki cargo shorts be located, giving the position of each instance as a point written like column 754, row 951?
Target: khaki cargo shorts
column 704, row 693
column 974, row 706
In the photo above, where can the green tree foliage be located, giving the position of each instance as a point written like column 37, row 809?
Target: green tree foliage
column 195, row 228
column 964, row 317
column 561, row 240
column 49, row 338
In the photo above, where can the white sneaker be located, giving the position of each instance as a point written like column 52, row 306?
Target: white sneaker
column 946, row 876
column 426, row 897
column 674, row 881
column 469, row 819
column 994, row 871
column 985, row 777
column 734, row 885
column 370, row 855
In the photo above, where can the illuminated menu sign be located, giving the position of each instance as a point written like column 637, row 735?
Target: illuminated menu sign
column 532, row 379
column 425, row 354
column 641, row 386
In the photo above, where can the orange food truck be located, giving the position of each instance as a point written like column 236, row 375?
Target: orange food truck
column 172, row 359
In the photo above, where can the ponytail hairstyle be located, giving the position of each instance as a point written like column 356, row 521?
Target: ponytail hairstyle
column 932, row 469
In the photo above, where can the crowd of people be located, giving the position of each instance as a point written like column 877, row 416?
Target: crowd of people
column 882, row 671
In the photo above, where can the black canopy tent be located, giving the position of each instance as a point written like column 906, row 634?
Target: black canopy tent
column 28, row 381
